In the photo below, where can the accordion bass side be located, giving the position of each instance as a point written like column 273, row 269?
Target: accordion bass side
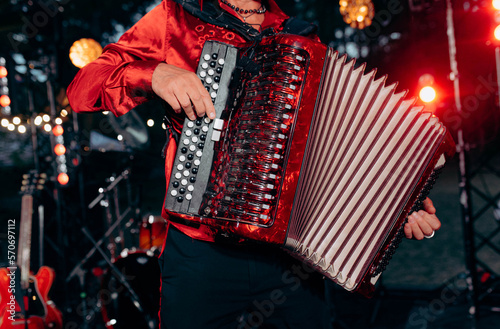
column 307, row 152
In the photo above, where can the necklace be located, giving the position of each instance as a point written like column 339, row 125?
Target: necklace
column 248, row 12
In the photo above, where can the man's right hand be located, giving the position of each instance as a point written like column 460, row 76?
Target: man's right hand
column 182, row 90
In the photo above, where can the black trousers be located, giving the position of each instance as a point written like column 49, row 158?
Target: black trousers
column 208, row 285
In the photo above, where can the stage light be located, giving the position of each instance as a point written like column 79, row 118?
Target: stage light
column 496, row 4
column 58, row 121
column 84, row 51
column 57, row 130
column 150, row 123
column 63, row 178
column 3, row 72
column 4, row 100
column 11, row 127
column 59, row 149
column 16, row 120
column 47, row 127
column 4, row 123
column 21, row 129
column 46, row 117
column 427, row 94
column 496, row 33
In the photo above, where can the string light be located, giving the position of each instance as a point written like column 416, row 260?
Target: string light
column 357, row 13
column 150, row 123
column 46, row 118
column 16, row 120
column 4, row 123
column 47, row 127
column 21, row 129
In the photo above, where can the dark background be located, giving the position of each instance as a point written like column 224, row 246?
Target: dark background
column 405, row 41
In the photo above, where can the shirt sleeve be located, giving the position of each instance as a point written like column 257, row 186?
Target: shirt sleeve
column 120, row 79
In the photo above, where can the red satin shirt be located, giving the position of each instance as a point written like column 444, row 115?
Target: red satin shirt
column 120, row 79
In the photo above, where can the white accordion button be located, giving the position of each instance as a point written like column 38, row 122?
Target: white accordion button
column 173, row 193
column 206, row 57
column 184, row 182
column 197, row 162
column 186, row 141
column 178, row 175
column 190, row 188
column 186, row 173
column 180, row 167
column 182, row 158
column 194, row 139
column 199, row 154
column 218, row 124
column 190, row 124
column 211, row 72
column 204, row 66
column 221, row 61
column 213, row 94
column 216, row 135
column 208, row 80
column 192, row 148
column 203, row 74
column 188, row 133
column 207, row 120
column 215, row 86
column 189, row 196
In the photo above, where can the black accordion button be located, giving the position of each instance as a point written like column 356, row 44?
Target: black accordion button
column 215, row 55
column 198, row 122
column 192, row 179
column 190, row 156
column 217, row 78
column 201, row 145
column 203, row 137
column 218, row 70
column 194, row 171
column 182, row 190
column 180, row 199
column 196, row 131
column 213, row 64
column 175, row 184
column 184, row 150
column 188, row 165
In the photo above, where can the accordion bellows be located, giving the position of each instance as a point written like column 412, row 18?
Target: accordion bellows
column 310, row 153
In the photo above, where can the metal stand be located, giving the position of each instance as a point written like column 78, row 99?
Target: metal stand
column 464, row 188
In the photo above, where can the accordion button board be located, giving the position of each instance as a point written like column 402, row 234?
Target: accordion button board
column 196, row 142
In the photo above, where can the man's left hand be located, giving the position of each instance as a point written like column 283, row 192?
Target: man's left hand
column 422, row 223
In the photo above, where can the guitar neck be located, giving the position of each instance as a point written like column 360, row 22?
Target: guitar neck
column 24, row 246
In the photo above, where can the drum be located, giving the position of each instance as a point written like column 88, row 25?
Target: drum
column 152, row 233
column 141, row 271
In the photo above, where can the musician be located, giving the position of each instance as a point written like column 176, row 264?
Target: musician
column 207, row 284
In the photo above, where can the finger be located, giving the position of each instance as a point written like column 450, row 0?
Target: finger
column 209, row 106
column 431, row 219
column 173, row 102
column 408, row 231
column 416, row 227
column 429, row 206
column 186, row 105
column 423, row 225
column 198, row 104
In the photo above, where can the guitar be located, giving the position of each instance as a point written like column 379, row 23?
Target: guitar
column 24, row 300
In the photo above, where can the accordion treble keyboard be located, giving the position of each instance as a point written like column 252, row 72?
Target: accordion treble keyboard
column 196, row 142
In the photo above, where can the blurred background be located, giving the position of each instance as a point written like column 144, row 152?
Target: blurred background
column 104, row 176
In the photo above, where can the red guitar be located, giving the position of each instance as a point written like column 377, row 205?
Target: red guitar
column 18, row 287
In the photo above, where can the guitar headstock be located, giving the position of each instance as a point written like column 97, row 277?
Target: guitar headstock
column 32, row 181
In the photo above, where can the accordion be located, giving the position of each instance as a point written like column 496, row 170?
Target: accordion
column 308, row 152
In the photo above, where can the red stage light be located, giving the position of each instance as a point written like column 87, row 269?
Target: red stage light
column 63, row 178
column 57, row 130
column 427, row 94
column 3, row 72
column 59, row 149
column 4, row 100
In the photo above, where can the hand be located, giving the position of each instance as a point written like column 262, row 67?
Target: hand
column 422, row 223
column 182, row 90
